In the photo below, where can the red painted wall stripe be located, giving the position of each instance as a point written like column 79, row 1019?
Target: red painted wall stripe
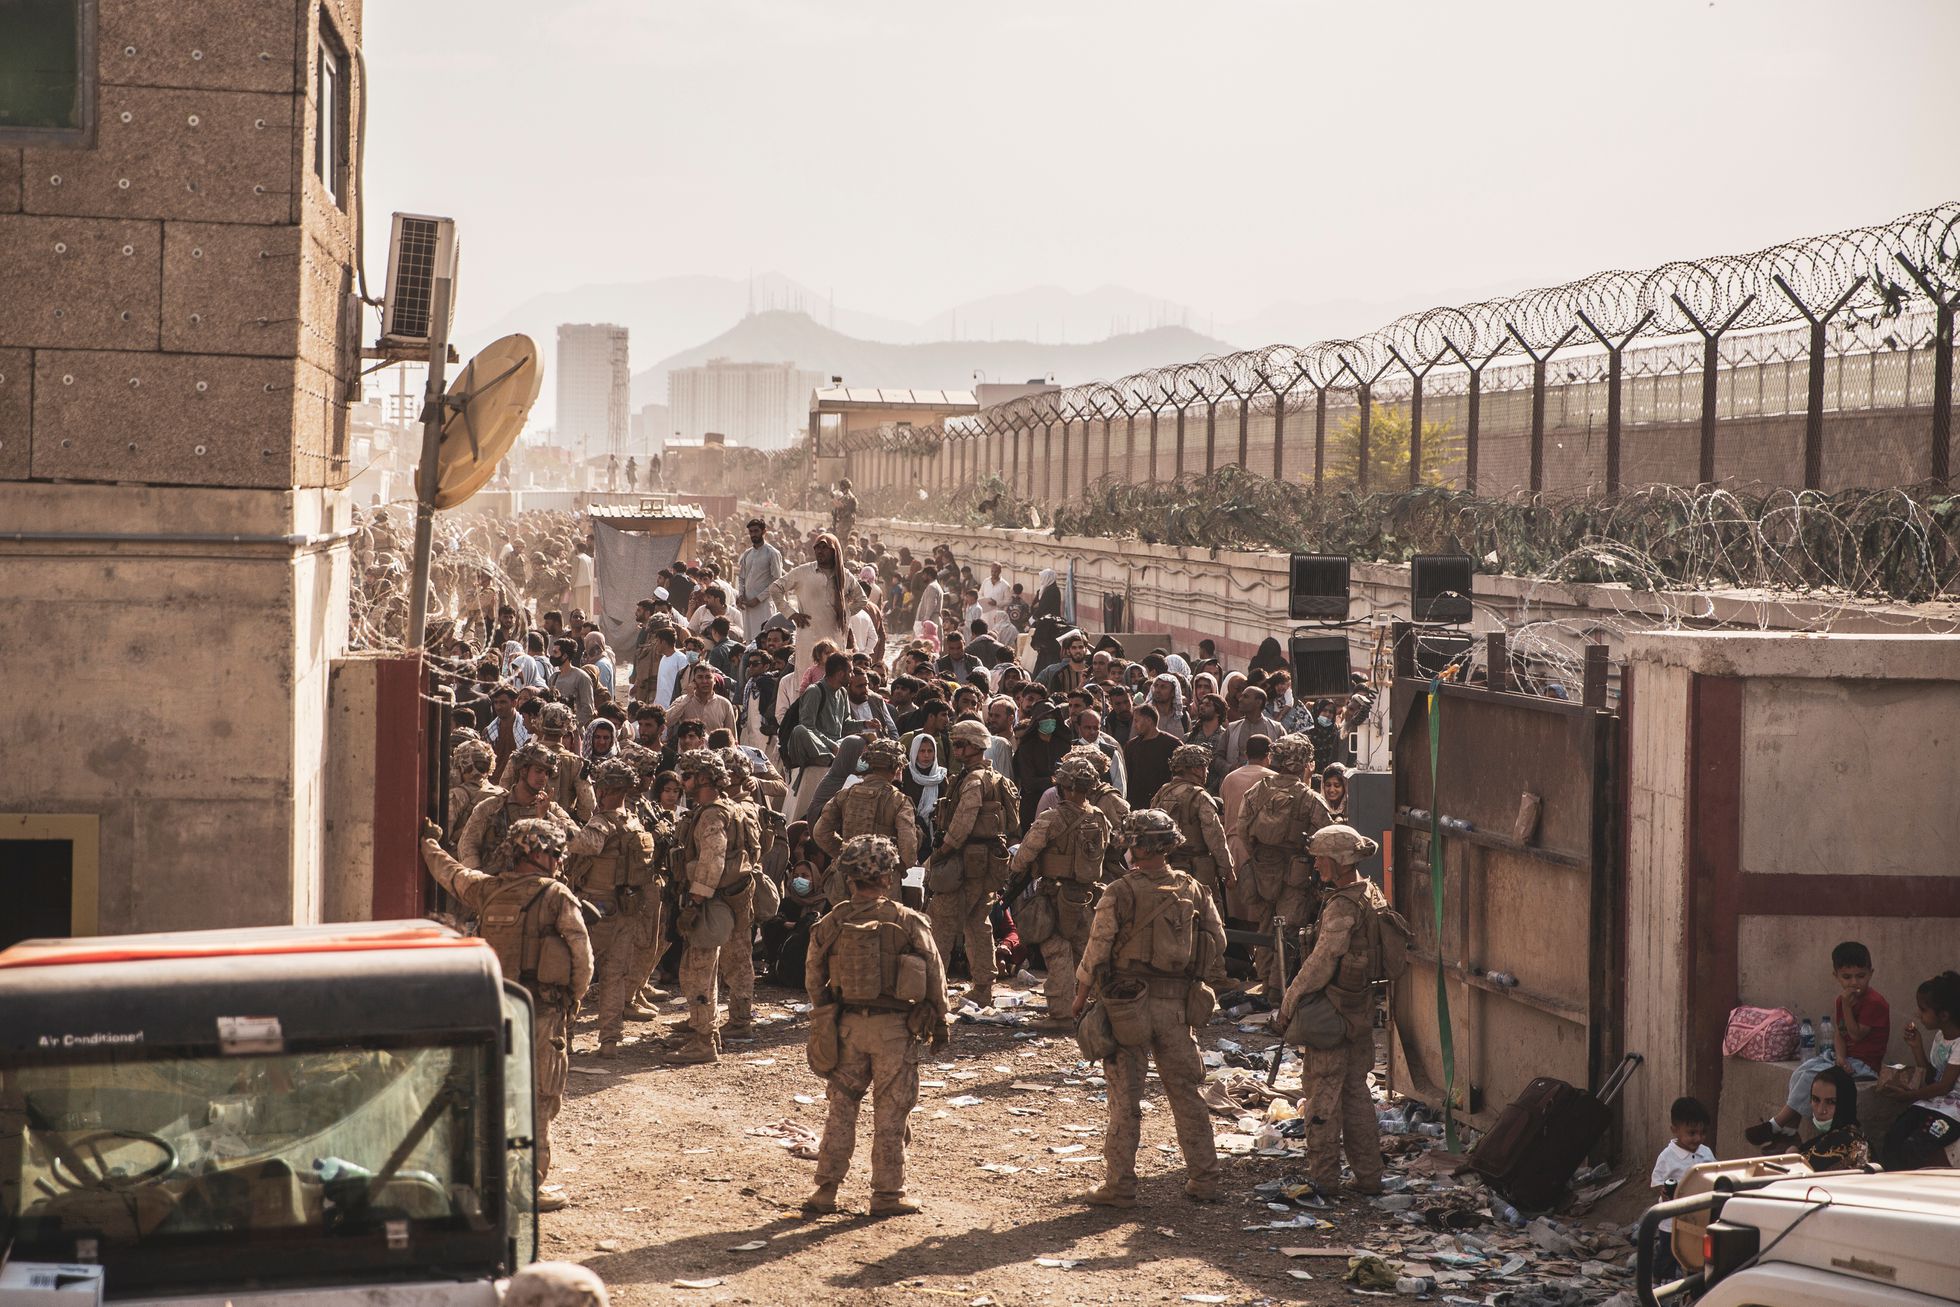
column 1789, row 894
column 1712, row 976
column 400, row 790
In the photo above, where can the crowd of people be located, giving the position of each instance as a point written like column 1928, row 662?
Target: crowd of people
column 813, row 732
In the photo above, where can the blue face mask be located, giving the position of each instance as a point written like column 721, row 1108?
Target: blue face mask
column 863, row 767
column 1325, row 721
column 1047, row 727
column 800, row 886
column 693, row 657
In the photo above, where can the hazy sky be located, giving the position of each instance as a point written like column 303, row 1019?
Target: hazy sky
column 1226, row 155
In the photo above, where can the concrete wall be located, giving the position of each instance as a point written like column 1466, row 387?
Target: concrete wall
column 348, row 891
column 185, row 689
column 1787, row 792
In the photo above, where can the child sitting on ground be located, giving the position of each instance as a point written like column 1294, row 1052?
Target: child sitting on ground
column 1928, row 1126
column 1861, row 1027
column 1687, row 1150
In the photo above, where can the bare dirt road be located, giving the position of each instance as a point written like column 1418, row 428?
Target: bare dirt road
column 689, row 1174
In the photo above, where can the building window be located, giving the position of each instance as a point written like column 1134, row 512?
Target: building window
column 47, row 72
column 330, row 118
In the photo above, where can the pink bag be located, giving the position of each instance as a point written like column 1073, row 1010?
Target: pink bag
column 1761, row 1034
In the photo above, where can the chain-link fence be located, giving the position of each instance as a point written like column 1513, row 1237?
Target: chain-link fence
column 1820, row 364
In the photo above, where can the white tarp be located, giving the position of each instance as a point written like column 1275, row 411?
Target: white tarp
column 625, row 569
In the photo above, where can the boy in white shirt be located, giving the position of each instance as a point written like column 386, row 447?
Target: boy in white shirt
column 1687, row 1150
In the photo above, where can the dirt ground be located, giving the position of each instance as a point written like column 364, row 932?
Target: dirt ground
column 668, row 1181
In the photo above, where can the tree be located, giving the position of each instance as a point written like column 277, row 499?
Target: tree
column 1388, row 450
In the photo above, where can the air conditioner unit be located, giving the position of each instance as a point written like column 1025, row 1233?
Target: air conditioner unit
column 420, row 249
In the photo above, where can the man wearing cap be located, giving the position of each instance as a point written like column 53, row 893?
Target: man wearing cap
column 757, row 569
column 883, row 1016
column 530, row 794
column 1066, row 845
column 971, row 864
column 710, row 842
column 610, row 868
column 1202, row 851
column 1156, row 933
column 1279, row 815
column 570, row 785
column 532, row 921
column 1342, row 966
column 874, row 806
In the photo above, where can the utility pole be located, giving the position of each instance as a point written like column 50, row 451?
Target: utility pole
column 434, row 410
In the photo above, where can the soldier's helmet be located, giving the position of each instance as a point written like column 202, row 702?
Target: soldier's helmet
column 737, row 764
column 645, row 761
column 475, row 756
column 555, row 718
column 534, row 753
column 867, row 858
column 884, row 754
column 1292, row 754
column 974, row 733
column 700, row 762
column 1075, row 773
column 534, row 838
column 1090, row 754
column 1187, row 756
column 614, row 774
column 1150, row 830
column 556, row 1284
column 1344, row 844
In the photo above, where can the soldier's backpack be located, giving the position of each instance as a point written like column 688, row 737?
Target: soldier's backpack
column 1163, row 934
column 1275, row 815
column 507, row 923
column 866, row 962
column 1390, row 941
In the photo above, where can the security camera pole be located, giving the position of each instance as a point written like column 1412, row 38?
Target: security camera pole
column 434, row 409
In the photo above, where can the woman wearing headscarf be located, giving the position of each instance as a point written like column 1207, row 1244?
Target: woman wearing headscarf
column 1269, row 658
column 922, row 781
column 1048, row 596
column 1167, row 697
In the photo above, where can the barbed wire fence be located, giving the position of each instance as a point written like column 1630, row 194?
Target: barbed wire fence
column 1819, row 364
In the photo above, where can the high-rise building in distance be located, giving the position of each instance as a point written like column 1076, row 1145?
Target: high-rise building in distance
column 763, row 405
column 594, row 386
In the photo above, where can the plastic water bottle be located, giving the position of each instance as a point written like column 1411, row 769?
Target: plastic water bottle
column 1825, row 1032
column 1413, row 1284
column 1806, row 1038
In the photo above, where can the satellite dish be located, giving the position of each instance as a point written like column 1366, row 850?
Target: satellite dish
column 488, row 402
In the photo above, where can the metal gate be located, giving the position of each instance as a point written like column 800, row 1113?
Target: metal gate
column 1528, row 943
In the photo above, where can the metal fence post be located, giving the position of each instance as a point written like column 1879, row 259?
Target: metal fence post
column 1942, row 434
column 1538, row 362
column 1711, row 358
column 1813, row 422
column 1614, row 375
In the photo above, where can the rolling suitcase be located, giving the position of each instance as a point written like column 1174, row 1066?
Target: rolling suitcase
column 1543, row 1136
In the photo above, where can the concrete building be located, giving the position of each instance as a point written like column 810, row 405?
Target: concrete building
column 178, row 348
column 652, row 428
column 594, row 388
column 757, row 404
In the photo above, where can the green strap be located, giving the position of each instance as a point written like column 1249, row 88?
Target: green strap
column 1436, row 896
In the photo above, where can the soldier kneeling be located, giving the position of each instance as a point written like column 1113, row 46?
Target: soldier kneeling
column 877, row 991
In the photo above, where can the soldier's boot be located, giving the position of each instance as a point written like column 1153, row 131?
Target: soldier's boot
column 609, row 1048
column 1370, row 1188
column 822, row 1199
column 551, row 1202
column 639, row 1011
column 1052, row 1021
column 894, row 1205
column 1108, row 1195
column 695, row 1052
column 1203, row 1191
column 740, row 1023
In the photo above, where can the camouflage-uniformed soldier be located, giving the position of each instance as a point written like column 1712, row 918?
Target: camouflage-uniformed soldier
column 710, row 849
column 874, row 962
column 1279, row 816
column 532, row 921
column 1334, row 1081
column 874, row 806
column 556, row 1284
column 971, row 864
column 470, row 764
column 532, row 766
column 574, row 787
column 1202, row 852
column 1154, row 934
column 1067, row 845
column 611, row 868
column 661, row 827
column 737, row 965
column 1106, row 799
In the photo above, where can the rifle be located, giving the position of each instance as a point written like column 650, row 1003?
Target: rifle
column 1279, row 964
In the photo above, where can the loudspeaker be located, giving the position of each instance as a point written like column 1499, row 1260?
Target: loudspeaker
column 1432, row 578
column 1320, row 666
column 1371, row 810
column 1317, row 587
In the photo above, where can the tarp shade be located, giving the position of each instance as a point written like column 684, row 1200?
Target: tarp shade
column 625, row 569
